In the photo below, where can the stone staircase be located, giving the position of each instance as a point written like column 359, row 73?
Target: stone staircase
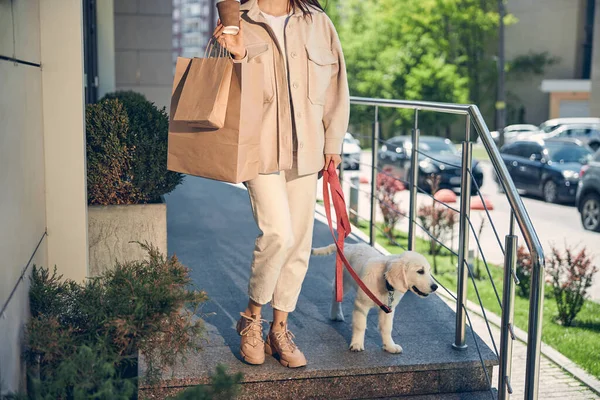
column 211, row 230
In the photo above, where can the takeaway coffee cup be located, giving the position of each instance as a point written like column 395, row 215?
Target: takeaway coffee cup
column 229, row 13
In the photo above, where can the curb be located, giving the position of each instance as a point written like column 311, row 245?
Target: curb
column 553, row 355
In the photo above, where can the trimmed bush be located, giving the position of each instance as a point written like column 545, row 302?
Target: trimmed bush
column 109, row 157
column 571, row 274
column 148, row 137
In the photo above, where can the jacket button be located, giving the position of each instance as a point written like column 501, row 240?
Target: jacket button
column 294, row 54
column 299, row 114
column 296, row 85
column 301, row 145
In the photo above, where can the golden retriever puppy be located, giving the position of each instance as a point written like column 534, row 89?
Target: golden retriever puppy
column 389, row 278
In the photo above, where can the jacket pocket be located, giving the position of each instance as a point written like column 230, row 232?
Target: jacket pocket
column 320, row 64
column 258, row 53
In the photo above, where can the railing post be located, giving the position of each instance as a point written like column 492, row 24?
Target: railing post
column 354, row 182
column 374, row 149
column 414, row 182
column 534, row 334
column 506, row 334
column 463, row 244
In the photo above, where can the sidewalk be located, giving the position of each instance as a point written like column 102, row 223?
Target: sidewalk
column 555, row 383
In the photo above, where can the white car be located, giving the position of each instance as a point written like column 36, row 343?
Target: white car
column 555, row 123
column 511, row 132
column 352, row 152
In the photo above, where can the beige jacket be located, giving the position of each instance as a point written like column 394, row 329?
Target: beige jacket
column 316, row 82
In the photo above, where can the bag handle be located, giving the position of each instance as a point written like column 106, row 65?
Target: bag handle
column 331, row 181
column 210, row 46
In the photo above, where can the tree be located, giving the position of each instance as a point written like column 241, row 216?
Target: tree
column 434, row 50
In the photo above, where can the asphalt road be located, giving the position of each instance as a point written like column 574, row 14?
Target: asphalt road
column 556, row 224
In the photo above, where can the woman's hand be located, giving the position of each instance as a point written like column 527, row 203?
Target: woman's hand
column 332, row 157
column 233, row 43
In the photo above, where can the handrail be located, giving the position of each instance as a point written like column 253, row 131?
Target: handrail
column 522, row 217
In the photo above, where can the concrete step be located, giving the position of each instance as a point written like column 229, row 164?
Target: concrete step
column 211, row 229
column 428, row 365
column 484, row 395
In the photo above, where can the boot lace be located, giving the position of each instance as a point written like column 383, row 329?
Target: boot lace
column 253, row 329
column 285, row 340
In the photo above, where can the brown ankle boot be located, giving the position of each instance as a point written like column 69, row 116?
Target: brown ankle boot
column 252, row 342
column 281, row 345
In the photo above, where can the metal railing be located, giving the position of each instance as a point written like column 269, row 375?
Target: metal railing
column 518, row 214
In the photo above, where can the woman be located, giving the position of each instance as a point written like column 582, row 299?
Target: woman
column 305, row 118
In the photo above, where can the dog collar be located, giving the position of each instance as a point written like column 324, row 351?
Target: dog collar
column 390, row 290
column 388, row 287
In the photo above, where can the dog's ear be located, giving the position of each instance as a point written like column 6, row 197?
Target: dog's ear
column 396, row 274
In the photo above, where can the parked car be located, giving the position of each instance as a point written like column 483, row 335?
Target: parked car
column 511, row 132
column 548, row 168
column 352, row 152
column 587, row 133
column 588, row 194
column 437, row 156
column 555, row 123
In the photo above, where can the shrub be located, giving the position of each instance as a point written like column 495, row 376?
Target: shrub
column 148, row 136
column 222, row 387
column 143, row 307
column 438, row 220
column 387, row 187
column 109, row 158
column 571, row 274
column 523, row 271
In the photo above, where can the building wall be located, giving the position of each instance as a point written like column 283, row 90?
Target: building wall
column 106, row 46
column 143, row 48
column 555, row 27
column 37, row 162
column 22, row 198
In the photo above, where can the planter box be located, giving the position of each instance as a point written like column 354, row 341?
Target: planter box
column 112, row 228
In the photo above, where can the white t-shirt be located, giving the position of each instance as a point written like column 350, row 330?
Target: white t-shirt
column 278, row 26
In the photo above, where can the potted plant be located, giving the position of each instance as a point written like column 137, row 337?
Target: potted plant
column 127, row 178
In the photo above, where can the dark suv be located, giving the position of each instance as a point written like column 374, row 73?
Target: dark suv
column 549, row 168
column 588, row 194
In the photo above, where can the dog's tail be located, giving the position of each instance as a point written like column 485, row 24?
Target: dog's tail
column 324, row 251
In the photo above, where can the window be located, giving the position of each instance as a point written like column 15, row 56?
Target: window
column 579, row 132
column 528, row 150
column 437, row 147
column 510, row 149
column 567, row 152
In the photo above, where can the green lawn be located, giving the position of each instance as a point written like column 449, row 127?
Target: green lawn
column 479, row 153
column 580, row 343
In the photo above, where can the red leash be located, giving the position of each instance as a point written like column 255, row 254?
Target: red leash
column 331, row 181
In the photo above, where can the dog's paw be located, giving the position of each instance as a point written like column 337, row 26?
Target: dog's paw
column 357, row 347
column 393, row 348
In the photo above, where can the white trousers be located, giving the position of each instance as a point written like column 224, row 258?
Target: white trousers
column 283, row 205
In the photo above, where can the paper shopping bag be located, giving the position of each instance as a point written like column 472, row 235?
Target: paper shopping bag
column 231, row 153
column 203, row 101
